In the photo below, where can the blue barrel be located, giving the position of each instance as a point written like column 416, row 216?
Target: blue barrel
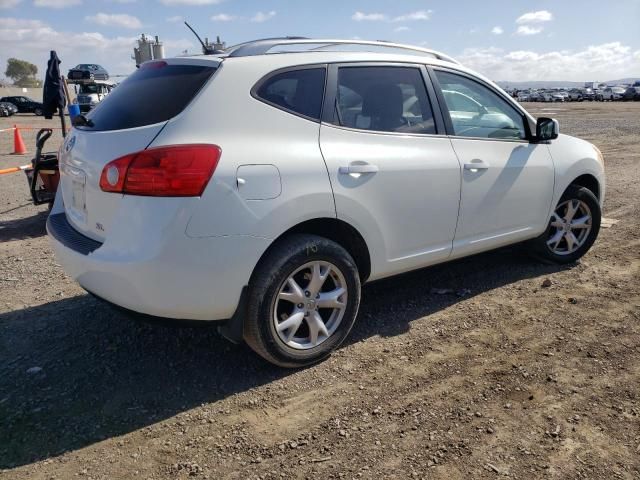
column 74, row 110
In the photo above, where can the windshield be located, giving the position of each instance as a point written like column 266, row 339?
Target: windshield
column 88, row 89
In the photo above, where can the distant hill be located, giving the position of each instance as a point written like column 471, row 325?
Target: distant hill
column 560, row 84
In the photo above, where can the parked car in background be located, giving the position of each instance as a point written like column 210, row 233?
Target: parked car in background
column 610, row 94
column 90, row 94
column 589, row 94
column 631, row 94
column 545, row 96
column 9, row 107
column 535, row 96
column 551, row 96
column 576, row 95
column 523, row 97
column 88, row 72
column 24, row 104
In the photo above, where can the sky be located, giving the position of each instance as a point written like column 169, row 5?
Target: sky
column 515, row 40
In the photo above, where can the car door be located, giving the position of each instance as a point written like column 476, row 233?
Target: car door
column 507, row 181
column 18, row 102
column 395, row 176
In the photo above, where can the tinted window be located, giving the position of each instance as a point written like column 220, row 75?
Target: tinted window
column 384, row 99
column 477, row 111
column 298, row 91
column 152, row 94
column 91, row 88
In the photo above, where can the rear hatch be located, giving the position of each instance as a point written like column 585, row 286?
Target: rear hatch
column 125, row 122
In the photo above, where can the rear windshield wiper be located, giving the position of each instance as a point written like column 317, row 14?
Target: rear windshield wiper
column 82, row 121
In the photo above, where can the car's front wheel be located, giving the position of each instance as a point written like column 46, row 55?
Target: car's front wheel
column 303, row 300
column 38, row 112
column 573, row 227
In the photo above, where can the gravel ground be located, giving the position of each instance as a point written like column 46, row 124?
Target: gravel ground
column 528, row 371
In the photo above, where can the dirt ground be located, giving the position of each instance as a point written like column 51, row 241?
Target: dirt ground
column 512, row 378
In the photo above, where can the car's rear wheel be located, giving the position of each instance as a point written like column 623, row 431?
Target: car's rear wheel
column 303, row 301
column 573, row 227
column 38, row 112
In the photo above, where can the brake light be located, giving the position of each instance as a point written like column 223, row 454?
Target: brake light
column 174, row 171
column 153, row 65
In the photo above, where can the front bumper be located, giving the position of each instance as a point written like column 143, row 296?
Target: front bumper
column 159, row 274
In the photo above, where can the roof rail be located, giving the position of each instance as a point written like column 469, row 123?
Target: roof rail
column 263, row 46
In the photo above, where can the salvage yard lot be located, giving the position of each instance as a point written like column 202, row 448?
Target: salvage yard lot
column 493, row 365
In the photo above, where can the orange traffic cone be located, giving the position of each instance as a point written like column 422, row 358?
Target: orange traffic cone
column 18, row 144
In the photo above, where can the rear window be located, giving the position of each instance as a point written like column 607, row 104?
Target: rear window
column 155, row 93
column 298, row 91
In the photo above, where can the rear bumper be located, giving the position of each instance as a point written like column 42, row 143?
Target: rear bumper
column 159, row 274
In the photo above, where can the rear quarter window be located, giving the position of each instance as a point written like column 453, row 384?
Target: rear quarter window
column 297, row 91
column 153, row 94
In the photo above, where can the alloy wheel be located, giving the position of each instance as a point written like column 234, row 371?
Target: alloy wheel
column 570, row 227
column 310, row 305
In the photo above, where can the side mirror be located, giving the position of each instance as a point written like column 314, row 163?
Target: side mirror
column 547, row 129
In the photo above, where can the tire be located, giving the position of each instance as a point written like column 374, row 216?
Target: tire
column 266, row 309
column 38, row 112
column 557, row 236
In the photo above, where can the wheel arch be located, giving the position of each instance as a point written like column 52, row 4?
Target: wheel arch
column 589, row 182
column 336, row 230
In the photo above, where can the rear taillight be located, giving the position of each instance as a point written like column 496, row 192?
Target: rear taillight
column 174, row 171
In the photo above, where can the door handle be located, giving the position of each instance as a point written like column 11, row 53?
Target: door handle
column 476, row 166
column 358, row 168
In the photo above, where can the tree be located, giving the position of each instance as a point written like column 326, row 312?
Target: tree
column 22, row 72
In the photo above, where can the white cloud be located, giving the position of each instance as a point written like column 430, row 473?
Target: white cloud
column 56, row 3
column 497, row 30
column 9, row 3
column 9, row 23
column 369, row 17
column 261, row 17
column 535, row 17
column 381, row 17
column 223, row 17
column 401, row 28
column 597, row 62
column 175, row 19
column 413, row 16
column 190, row 2
column 121, row 20
column 526, row 30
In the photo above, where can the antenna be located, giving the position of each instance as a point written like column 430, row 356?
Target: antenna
column 206, row 48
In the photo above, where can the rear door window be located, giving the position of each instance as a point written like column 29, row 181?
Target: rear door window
column 383, row 99
column 298, row 91
column 155, row 93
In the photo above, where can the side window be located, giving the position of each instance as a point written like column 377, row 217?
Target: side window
column 476, row 111
column 298, row 91
column 383, row 99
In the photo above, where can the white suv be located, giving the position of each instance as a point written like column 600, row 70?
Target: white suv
column 611, row 94
column 262, row 190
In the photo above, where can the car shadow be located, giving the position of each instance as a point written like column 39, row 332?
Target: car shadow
column 74, row 371
column 21, row 228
